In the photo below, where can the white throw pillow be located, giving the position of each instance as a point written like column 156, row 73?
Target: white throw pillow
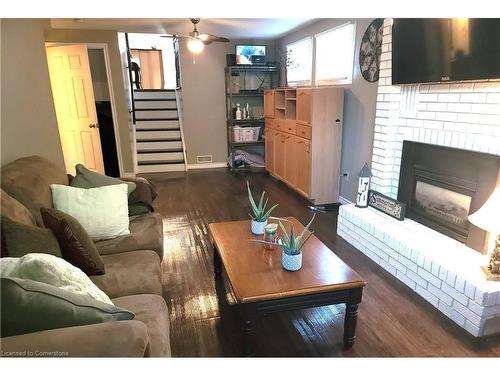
column 52, row 270
column 102, row 211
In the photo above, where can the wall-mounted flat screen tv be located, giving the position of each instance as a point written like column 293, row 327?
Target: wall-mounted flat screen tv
column 452, row 49
column 250, row 54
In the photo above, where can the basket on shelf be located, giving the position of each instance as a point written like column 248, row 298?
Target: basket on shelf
column 246, row 134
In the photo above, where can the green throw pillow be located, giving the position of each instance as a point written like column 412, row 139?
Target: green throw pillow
column 88, row 179
column 31, row 306
column 19, row 239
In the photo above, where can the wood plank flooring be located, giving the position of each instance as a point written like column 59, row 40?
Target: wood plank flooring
column 393, row 320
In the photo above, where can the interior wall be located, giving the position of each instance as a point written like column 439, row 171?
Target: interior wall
column 98, row 73
column 359, row 106
column 165, row 45
column 28, row 118
column 123, row 119
column 203, row 98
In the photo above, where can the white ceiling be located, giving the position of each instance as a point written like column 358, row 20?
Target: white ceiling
column 231, row 28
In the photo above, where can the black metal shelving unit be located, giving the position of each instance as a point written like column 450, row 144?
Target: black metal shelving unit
column 249, row 92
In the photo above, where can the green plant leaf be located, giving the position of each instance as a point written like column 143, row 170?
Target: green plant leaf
column 304, row 241
column 292, row 242
column 261, row 200
column 270, row 243
column 268, row 213
column 299, row 238
column 252, row 202
column 285, row 234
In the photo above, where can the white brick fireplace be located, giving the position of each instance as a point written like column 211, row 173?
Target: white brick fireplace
column 460, row 114
column 443, row 271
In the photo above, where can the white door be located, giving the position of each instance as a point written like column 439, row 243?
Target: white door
column 75, row 106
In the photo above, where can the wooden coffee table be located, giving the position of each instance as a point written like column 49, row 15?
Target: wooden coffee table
column 261, row 286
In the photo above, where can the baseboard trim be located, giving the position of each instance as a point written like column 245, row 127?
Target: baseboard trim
column 207, row 165
column 343, row 200
column 128, row 174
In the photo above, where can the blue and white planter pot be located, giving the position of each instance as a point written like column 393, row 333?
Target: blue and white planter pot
column 291, row 262
column 258, row 227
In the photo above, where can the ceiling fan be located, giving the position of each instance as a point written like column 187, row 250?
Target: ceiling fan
column 196, row 40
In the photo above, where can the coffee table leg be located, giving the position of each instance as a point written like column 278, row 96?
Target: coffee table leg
column 217, row 262
column 351, row 317
column 249, row 316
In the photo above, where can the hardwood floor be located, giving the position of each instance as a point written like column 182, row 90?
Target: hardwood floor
column 393, row 320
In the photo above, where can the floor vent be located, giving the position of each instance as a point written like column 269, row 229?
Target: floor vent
column 203, row 159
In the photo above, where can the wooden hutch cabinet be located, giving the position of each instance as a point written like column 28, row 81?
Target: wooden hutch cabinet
column 303, row 137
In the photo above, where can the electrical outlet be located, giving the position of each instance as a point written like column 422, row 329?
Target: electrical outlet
column 346, row 175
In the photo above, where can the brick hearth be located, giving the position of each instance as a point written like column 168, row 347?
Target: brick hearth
column 442, row 270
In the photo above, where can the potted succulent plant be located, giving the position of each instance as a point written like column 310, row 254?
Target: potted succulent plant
column 291, row 245
column 260, row 214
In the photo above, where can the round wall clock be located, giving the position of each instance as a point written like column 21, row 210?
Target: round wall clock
column 370, row 50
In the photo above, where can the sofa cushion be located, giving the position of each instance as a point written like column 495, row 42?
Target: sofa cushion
column 134, row 272
column 87, row 179
column 31, row 306
column 146, row 232
column 102, row 211
column 14, row 210
column 20, row 239
column 152, row 311
column 54, row 271
column 76, row 245
column 28, row 180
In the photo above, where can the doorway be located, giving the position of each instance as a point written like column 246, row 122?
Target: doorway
column 84, row 102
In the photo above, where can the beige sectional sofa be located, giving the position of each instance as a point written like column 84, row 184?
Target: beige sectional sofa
column 133, row 278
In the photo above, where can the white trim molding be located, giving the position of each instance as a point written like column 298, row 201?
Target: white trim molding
column 343, row 200
column 207, row 165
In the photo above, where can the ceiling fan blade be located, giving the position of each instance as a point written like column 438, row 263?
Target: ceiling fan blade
column 175, row 35
column 209, row 38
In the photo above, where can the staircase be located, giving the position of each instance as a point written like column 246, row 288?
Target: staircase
column 158, row 131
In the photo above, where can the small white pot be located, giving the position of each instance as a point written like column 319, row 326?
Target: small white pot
column 258, row 227
column 291, row 262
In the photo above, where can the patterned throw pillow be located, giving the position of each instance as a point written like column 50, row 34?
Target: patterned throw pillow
column 76, row 245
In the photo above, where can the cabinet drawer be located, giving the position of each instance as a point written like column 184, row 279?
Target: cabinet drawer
column 304, row 131
column 270, row 123
column 287, row 126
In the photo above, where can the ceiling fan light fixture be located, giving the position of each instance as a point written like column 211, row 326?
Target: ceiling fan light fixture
column 195, row 45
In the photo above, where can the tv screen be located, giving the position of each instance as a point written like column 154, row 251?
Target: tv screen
column 436, row 50
column 249, row 54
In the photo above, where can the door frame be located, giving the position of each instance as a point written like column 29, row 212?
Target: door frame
column 104, row 47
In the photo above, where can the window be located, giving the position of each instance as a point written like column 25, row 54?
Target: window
column 335, row 55
column 299, row 62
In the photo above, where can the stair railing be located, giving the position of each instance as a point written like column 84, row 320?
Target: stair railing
column 178, row 102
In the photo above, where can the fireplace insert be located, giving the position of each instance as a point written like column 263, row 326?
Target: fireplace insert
column 441, row 186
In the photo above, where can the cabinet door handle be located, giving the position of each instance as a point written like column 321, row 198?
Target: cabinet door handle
column 337, row 120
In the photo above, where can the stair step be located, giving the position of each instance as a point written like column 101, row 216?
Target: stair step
column 144, row 158
column 154, row 124
column 155, row 104
column 156, row 114
column 159, row 145
column 155, row 100
column 154, row 90
column 160, row 162
column 157, row 135
column 157, row 168
column 157, row 119
column 151, row 129
column 158, row 151
column 154, row 94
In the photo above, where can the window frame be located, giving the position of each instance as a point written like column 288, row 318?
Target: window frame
column 302, row 83
column 335, row 81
